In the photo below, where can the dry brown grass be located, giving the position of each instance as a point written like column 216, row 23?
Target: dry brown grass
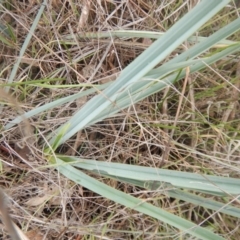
column 46, row 205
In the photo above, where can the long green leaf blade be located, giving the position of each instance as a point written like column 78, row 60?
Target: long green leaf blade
column 133, row 203
column 186, row 180
column 171, row 191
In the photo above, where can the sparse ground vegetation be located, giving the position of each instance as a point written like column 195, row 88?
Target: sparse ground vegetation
column 191, row 125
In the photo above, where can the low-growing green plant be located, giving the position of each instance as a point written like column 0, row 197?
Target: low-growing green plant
column 140, row 79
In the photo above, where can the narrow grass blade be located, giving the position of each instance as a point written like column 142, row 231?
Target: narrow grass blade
column 205, row 202
column 6, row 41
column 25, row 44
column 53, row 104
column 138, row 34
column 171, row 191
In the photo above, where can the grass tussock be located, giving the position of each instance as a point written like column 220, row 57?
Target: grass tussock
column 190, row 126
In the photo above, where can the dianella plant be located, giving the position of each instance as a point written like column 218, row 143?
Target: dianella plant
column 149, row 73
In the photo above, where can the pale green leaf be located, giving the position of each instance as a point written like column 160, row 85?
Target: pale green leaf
column 133, row 203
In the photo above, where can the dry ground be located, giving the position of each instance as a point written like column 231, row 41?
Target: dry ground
column 46, row 205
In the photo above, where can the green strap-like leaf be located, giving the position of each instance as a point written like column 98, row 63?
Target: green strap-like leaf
column 186, row 180
column 127, row 200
